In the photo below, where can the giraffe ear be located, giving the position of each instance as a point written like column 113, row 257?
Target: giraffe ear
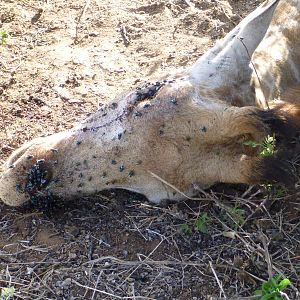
column 228, row 62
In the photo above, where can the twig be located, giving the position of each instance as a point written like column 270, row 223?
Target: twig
column 94, row 292
column 177, row 190
column 44, row 283
column 124, row 34
column 217, row 279
column 156, row 262
column 263, row 238
column 13, row 283
column 284, row 295
column 190, row 4
column 254, row 68
column 109, row 294
column 145, row 259
column 87, row 3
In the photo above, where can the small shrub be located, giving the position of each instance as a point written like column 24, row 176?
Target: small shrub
column 200, row 225
column 186, row 228
column 202, row 222
column 271, row 289
column 277, row 191
column 235, row 216
column 3, row 37
column 7, row 293
column 266, row 148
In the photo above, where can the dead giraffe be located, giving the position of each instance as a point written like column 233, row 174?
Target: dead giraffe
column 189, row 128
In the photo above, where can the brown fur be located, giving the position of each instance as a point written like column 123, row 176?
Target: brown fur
column 163, row 128
column 283, row 121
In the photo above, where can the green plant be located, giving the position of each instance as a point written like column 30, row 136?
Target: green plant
column 186, row 228
column 266, row 147
column 237, row 215
column 277, row 191
column 7, row 293
column 271, row 290
column 3, row 37
column 202, row 222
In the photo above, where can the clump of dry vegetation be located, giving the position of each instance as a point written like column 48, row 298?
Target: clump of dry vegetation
column 117, row 246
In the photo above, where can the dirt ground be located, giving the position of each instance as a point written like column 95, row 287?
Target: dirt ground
column 61, row 61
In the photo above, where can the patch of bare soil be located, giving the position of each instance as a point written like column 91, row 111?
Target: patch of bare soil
column 63, row 60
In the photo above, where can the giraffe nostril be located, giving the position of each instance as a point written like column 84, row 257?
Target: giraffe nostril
column 38, row 177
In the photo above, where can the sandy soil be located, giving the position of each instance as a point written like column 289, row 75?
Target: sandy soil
column 63, row 60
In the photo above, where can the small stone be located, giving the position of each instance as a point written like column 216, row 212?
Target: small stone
column 74, row 231
column 29, row 271
column 72, row 255
column 67, row 282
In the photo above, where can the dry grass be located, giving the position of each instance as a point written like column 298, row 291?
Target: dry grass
column 132, row 250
